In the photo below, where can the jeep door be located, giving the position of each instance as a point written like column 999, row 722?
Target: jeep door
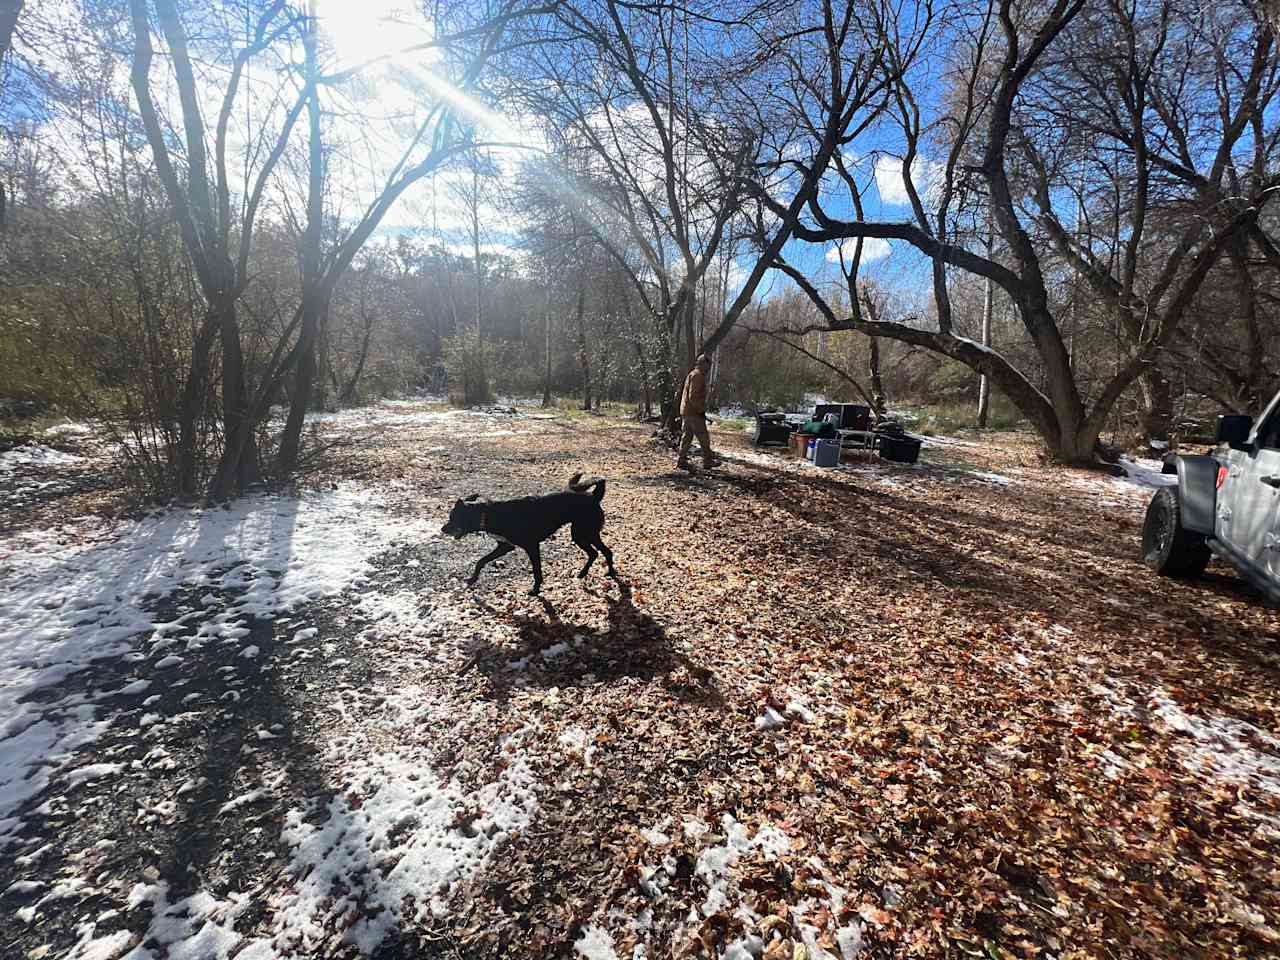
column 1250, row 522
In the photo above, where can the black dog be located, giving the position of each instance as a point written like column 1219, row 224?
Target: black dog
column 528, row 521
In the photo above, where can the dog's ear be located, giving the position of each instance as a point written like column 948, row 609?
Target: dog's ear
column 471, row 499
column 457, row 504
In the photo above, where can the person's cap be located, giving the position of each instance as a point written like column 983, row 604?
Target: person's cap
column 703, row 360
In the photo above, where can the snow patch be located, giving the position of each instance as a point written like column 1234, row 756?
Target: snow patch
column 1130, row 492
column 998, row 479
column 595, row 944
column 69, row 429
column 397, row 851
column 94, row 771
column 771, row 719
column 579, row 742
column 715, row 864
column 35, row 456
column 1222, row 747
column 63, row 607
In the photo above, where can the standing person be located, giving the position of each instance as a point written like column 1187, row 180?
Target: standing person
column 693, row 411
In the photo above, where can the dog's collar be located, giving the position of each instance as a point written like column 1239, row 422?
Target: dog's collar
column 484, row 520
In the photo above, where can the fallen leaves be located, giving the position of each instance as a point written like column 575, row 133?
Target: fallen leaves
column 961, row 713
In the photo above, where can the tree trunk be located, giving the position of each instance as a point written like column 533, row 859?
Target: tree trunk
column 190, row 408
column 323, row 363
column 680, row 366
column 984, row 385
column 1157, row 400
column 314, row 297
column 877, row 384
column 646, row 403
column 546, row 380
column 583, row 357
column 304, row 380
column 238, row 468
column 349, row 391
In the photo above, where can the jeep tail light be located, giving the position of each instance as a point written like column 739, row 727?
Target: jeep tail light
column 1222, row 476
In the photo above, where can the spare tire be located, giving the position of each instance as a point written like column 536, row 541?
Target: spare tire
column 1168, row 547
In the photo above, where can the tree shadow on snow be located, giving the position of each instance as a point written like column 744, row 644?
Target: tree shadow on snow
column 208, row 758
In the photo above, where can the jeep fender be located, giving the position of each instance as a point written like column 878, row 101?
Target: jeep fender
column 1198, row 492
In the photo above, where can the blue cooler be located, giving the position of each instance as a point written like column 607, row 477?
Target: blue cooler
column 826, row 453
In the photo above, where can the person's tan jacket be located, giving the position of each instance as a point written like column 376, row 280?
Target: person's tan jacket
column 693, row 398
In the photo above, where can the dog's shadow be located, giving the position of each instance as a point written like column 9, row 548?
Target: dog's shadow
column 553, row 653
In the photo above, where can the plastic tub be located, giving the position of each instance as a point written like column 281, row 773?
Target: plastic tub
column 900, row 449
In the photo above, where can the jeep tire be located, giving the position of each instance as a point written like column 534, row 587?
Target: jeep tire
column 1167, row 546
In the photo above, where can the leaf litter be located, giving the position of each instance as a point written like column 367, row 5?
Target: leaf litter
column 987, row 731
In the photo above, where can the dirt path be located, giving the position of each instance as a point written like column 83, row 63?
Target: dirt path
column 881, row 711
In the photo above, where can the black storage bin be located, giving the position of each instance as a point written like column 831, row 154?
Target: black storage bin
column 852, row 416
column 900, row 449
column 772, row 428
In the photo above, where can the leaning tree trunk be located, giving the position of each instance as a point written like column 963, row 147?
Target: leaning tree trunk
column 314, row 296
column 304, row 379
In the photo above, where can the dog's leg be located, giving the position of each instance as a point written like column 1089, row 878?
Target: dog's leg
column 501, row 550
column 535, row 560
column 583, row 539
column 608, row 555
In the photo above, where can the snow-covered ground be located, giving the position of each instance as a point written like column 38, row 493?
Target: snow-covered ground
column 1130, row 492
column 500, row 420
column 62, row 607
column 145, row 602
column 1228, row 753
column 34, row 472
column 35, row 456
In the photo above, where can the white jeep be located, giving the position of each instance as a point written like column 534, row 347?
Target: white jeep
column 1226, row 503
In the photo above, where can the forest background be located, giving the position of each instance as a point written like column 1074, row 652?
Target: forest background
column 218, row 217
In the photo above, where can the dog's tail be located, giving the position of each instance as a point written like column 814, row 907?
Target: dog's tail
column 578, row 485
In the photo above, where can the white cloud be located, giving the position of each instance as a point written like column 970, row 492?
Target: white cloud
column 926, row 175
column 873, row 248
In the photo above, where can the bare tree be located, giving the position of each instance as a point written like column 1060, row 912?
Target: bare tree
column 1215, row 161
column 674, row 145
column 447, row 131
column 201, row 194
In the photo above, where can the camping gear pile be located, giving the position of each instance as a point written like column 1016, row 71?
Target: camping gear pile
column 838, row 430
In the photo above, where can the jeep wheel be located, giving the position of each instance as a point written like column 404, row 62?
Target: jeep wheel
column 1167, row 547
